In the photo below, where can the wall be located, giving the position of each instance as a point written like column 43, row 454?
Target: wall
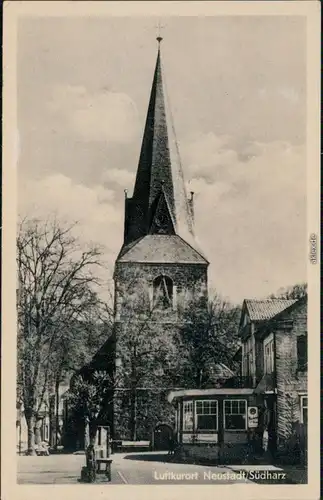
column 48, row 418
column 186, row 278
column 131, row 279
column 290, row 382
column 22, row 431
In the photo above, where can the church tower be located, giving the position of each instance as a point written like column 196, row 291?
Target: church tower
column 158, row 268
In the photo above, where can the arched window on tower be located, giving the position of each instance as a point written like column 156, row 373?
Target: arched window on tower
column 163, row 293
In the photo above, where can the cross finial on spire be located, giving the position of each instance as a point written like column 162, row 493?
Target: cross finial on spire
column 159, row 37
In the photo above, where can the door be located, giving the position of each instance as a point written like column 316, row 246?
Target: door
column 272, row 434
column 162, row 436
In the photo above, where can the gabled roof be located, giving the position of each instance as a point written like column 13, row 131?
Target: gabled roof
column 237, row 355
column 162, row 222
column 220, row 370
column 161, row 248
column 266, row 384
column 260, row 310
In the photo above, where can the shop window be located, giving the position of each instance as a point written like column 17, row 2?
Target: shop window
column 206, row 415
column 235, row 414
column 188, row 416
column 302, row 352
column 304, row 409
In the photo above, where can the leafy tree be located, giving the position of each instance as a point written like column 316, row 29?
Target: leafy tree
column 145, row 355
column 297, row 291
column 56, row 294
column 89, row 397
column 81, row 341
column 209, row 336
column 161, row 349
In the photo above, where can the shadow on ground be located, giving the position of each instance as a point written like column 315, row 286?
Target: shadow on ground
column 151, row 457
column 165, row 458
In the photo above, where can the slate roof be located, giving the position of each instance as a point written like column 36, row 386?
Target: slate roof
column 260, row 310
column 159, row 162
column 159, row 171
column 160, row 248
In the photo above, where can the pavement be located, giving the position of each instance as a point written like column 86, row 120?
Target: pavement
column 141, row 468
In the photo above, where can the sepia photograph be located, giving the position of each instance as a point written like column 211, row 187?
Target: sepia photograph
column 162, row 248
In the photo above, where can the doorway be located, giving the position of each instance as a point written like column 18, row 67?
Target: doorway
column 161, row 437
column 272, row 424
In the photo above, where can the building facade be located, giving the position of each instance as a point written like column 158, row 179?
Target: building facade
column 274, row 363
column 216, row 424
column 51, row 421
column 158, row 270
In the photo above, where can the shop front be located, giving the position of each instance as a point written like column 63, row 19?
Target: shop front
column 215, row 424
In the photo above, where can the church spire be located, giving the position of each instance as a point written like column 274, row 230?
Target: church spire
column 159, row 202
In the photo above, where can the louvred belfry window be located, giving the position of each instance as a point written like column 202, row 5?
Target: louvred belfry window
column 163, row 292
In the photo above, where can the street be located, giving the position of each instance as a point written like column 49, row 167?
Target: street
column 131, row 468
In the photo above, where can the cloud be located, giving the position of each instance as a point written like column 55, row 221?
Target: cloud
column 250, row 213
column 208, row 152
column 250, row 187
column 99, row 215
column 97, row 116
column 119, row 177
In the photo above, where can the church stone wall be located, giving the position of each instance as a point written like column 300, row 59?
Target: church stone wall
column 184, row 276
column 151, row 406
column 187, row 274
column 158, row 207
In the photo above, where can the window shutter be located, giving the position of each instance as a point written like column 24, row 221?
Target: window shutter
column 151, row 296
column 174, row 297
column 301, row 352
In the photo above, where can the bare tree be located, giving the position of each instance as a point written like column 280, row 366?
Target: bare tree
column 56, row 283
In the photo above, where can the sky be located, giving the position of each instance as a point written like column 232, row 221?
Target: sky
column 237, row 90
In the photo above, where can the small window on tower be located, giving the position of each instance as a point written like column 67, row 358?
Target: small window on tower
column 163, row 292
